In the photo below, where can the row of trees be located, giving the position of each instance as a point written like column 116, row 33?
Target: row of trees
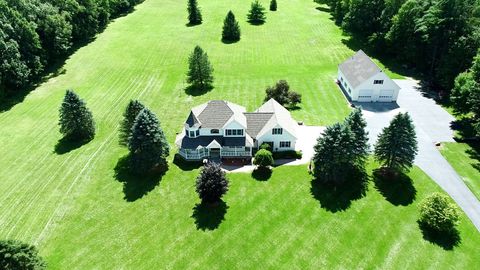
column 140, row 131
column 437, row 37
column 34, row 34
column 344, row 148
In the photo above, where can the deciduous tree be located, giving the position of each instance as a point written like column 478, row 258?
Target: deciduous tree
column 15, row 255
column 212, row 183
column 438, row 213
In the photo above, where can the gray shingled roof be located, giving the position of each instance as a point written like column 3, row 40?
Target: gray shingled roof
column 358, row 69
column 256, row 122
column 215, row 115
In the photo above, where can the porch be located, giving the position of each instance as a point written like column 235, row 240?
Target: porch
column 224, row 152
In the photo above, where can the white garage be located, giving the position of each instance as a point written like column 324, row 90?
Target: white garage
column 363, row 81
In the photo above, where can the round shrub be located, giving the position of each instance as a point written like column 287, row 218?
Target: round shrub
column 212, row 183
column 15, row 255
column 263, row 158
column 438, row 213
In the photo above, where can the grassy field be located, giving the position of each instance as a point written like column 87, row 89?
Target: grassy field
column 466, row 161
column 83, row 217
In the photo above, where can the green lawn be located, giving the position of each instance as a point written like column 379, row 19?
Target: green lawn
column 466, row 161
column 72, row 206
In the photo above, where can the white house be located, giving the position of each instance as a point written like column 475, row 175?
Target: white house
column 223, row 130
column 363, row 81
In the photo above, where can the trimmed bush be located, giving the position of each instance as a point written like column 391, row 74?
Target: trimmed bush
column 438, row 213
column 263, row 158
column 291, row 154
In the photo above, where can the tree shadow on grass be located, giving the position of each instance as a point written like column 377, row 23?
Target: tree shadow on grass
column 474, row 153
column 66, row 144
column 447, row 240
column 196, row 90
column 135, row 186
column 209, row 216
column 228, row 41
column 397, row 188
column 262, row 174
column 256, row 23
column 334, row 198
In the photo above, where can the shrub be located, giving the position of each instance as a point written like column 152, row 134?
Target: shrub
column 76, row 121
column 438, row 213
column 212, row 183
column 291, row 154
column 263, row 158
column 15, row 255
column 266, row 146
column 256, row 15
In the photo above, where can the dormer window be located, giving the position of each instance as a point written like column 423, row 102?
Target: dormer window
column 277, row 131
column 192, row 133
column 378, row 82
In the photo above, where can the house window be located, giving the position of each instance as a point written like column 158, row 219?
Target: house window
column 378, row 82
column 191, row 134
column 345, row 83
column 197, row 133
column 214, row 131
column 349, row 90
column 285, row 144
column 277, row 131
column 234, row 132
column 341, row 79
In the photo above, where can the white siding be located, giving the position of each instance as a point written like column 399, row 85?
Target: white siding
column 276, row 139
column 368, row 88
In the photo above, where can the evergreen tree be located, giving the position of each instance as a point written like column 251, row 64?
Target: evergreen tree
column 15, row 255
column 212, row 183
column 273, row 5
column 231, row 29
column 194, row 14
column 147, row 144
column 256, row 15
column 334, row 154
column 134, row 107
column 396, row 146
column 200, row 70
column 76, row 121
column 357, row 125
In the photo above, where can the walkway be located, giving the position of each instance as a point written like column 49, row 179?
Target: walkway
column 433, row 125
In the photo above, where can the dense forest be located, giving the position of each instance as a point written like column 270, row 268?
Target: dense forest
column 436, row 38
column 35, row 34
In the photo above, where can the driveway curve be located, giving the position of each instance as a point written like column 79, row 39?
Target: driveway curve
column 432, row 124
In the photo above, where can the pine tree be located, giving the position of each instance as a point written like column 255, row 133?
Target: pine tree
column 256, row 15
column 76, row 121
column 396, row 146
column 273, row 5
column 357, row 125
column 147, row 144
column 212, row 183
column 231, row 29
column 200, row 70
column 194, row 14
column 134, row 107
column 334, row 154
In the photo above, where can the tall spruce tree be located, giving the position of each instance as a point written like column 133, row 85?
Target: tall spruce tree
column 396, row 146
column 273, row 5
column 147, row 144
column 212, row 183
column 194, row 14
column 134, row 107
column 76, row 121
column 256, row 15
column 200, row 70
column 231, row 29
column 334, row 154
column 357, row 125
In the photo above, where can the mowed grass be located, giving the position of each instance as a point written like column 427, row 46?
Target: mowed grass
column 74, row 209
column 465, row 160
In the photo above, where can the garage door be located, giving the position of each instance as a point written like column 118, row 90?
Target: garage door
column 386, row 96
column 365, row 95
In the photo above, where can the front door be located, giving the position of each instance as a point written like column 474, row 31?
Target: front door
column 215, row 153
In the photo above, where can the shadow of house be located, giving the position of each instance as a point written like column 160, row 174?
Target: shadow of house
column 397, row 189
column 447, row 240
column 197, row 90
column 334, row 198
column 65, row 145
column 136, row 186
column 262, row 174
column 185, row 165
column 209, row 216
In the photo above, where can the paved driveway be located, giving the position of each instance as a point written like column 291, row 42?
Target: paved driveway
column 432, row 123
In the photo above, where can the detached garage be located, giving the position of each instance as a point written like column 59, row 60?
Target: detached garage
column 363, row 81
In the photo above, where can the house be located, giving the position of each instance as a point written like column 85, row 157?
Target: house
column 224, row 131
column 363, row 81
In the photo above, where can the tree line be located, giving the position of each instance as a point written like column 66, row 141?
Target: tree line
column 438, row 38
column 34, row 34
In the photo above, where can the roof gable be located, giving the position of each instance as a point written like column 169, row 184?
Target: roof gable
column 281, row 117
column 256, row 122
column 359, row 68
